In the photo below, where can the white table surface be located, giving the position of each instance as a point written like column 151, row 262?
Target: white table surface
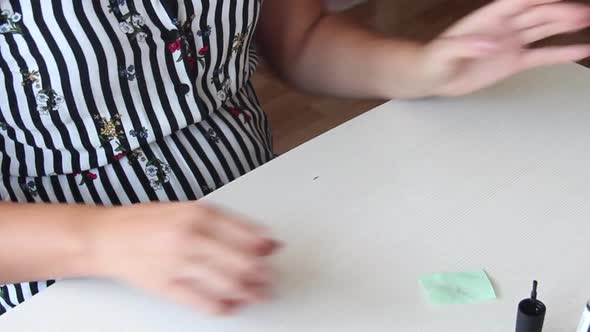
column 498, row 180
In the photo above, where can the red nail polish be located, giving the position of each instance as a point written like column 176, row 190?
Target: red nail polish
column 268, row 247
column 230, row 306
column 231, row 303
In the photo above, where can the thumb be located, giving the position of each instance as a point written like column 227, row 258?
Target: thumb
column 450, row 49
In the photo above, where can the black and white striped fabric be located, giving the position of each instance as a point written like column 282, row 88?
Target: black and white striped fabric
column 115, row 102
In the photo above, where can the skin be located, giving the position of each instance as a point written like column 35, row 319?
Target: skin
column 321, row 53
column 216, row 262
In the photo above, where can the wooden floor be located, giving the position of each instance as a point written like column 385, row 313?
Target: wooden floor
column 297, row 118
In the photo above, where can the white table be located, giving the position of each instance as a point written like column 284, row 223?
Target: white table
column 498, row 180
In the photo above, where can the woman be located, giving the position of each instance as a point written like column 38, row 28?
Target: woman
column 110, row 103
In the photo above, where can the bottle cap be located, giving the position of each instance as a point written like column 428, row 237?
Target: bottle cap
column 531, row 313
column 585, row 321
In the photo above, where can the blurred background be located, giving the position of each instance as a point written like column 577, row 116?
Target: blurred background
column 297, row 118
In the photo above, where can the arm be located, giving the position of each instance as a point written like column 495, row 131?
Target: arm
column 185, row 251
column 323, row 53
column 327, row 54
column 43, row 241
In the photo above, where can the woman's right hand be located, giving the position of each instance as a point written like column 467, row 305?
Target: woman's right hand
column 187, row 252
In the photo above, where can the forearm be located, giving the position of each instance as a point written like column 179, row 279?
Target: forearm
column 338, row 57
column 43, row 241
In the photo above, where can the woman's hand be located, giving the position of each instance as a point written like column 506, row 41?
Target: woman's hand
column 491, row 44
column 324, row 53
column 187, row 252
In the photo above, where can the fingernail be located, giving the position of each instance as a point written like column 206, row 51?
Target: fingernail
column 255, row 283
column 232, row 303
column 268, row 247
column 274, row 244
column 231, row 306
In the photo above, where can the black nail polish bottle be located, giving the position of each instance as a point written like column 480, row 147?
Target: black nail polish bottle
column 531, row 313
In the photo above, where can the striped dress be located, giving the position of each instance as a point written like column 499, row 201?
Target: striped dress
column 115, row 102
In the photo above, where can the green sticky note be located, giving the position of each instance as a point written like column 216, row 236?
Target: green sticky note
column 459, row 287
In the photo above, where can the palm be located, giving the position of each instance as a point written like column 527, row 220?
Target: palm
column 492, row 43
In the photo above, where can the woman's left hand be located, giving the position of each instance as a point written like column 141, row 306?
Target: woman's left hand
column 492, row 44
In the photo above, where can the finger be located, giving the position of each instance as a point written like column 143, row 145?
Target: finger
column 541, row 32
column 241, row 234
column 575, row 14
column 225, row 285
column 492, row 18
column 503, row 8
column 231, row 260
column 194, row 296
column 246, row 236
column 553, row 55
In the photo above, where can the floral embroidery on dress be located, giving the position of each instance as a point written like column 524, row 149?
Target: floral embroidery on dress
column 223, row 86
column 110, row 129
column 113, row 130
column 114, row 6
column 30, row 188
column 48, row 100
column 158, row 173
column 212, row 136
column 184, row 44
column 122, row 151
column 140, row 133
column 30, row 77
column 133, row 25
column 203, row 50
column 120, row 148
column 87, row 177
column 239, row 40
column 133, row 156
column 10, row 22
column 224, row 93
column 205, row 32
column 237, row 112
column 128, row 73
column 120, row 156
